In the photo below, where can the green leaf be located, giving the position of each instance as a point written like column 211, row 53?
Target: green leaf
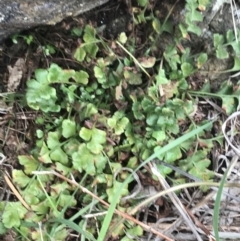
column 142, row 3
column 73, row 226
column 80, row 54
column 35, row 190
column 97, row 139
column 41, row 207
column 173, row 155
column 39, row 133
column 41, row 77
column 147, row 105
column 164, row 170
column 92, row 50
column 152, row 119
column 94, row 147
column 81, row 77
column 99, row 136
column 90, row 40
column 205, row 143
column 49, row 49
column 85, row 134
column 121, row 125
column 156, row 25
column 112, row 122
column 161, row 77
column 172, row 57
column 188, row 107
column 118, row 122
column 135, row 231
column 236, row 47
column 58, row 188
column 71, row 146
column 187, row 69
column 193, row 14
column 53, row 139
column 167, row 26
column 28, row 39
column 66, row 200
column 20, row 178
column 183, row 31
column 201, row 60
column 13, row 213
column 230, row 36
column 222, row 53
column 226, row 88
column 197, row 165
column 236, row 66
column 85, row 160
column 40, row 95
column 58, row 155
column 3, row 229
column 76, row 31
column 218, row 40
column 68, row 128
column 89, row 34
column 194, row 29
column 57, row 74
column 60, row 233
column 200, row 169
column 69, row 91
column 111, row 192
column 100, row 74
column 132, row 163
column 64, row 170
column 137, row 111
column 229, row 105
column 159, row 135
column 122, row 38
column 29, row 162
column 88, row 111
column 44, row 154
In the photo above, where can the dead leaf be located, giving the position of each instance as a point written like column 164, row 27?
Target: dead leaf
column 118, row 93
column 15, row 75
column 147, row 62
column 169, row 89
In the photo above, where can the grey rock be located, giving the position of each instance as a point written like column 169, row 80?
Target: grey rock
column 24, row 14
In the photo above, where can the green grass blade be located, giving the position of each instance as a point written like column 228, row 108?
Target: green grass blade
column 168, row 147
column 218, row 201
column 75, row 227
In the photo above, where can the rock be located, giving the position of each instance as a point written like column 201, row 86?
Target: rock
column 24, row 14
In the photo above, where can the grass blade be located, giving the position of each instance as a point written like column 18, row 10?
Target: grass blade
column 218, row 200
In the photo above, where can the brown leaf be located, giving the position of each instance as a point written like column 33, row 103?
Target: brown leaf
column 15, row 75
